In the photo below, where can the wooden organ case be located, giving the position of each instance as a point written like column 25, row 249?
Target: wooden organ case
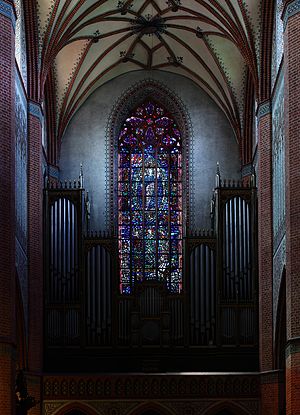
column 211, row 325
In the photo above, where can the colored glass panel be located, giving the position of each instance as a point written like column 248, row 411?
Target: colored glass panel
column 150, row 199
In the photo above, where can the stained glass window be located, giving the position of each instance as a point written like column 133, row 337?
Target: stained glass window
column 150, row 199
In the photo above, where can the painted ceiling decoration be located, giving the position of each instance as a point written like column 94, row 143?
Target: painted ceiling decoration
column 89, row 42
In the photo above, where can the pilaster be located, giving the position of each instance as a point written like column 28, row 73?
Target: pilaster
column 35, row 252
column 265, row 254
column 265, row 234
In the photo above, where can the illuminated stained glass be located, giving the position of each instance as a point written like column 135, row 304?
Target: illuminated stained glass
column 150, row 199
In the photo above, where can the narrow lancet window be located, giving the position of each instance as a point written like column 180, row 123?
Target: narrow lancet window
column 150, row 199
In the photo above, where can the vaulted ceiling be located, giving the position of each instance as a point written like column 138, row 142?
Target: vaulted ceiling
column 89, row 42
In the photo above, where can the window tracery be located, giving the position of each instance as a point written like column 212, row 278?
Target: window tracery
column 150, row 199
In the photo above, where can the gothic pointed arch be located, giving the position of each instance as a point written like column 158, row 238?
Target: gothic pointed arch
column 138, row 93
column 149, row 124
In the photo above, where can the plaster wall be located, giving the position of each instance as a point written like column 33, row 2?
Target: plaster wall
column 213, row 141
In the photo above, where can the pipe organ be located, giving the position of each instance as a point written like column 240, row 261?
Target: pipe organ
column 151, row 329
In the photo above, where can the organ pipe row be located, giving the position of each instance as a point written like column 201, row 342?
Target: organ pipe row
column 98, row 295
column 203, row 295
column 236, row 281
column 63, row 276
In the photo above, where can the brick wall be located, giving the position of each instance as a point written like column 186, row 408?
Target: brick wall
column 272, row 390
column 35, row 257
column 292, row 99
column 7, row 217
column 292, row 128
column 269, row 399
column 265, row 242
column 7, row 380
column 293, row 383
column 265, row 260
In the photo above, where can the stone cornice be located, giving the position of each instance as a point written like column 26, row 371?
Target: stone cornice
column 7, row 9
column 291, row 8
column 247, row 170
column 53, row 172
column 264, row 108
column 292, row 347
column 272, row 376
column 35, row 110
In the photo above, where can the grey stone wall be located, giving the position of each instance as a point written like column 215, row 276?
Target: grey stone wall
column 279, row 186
column 21, row 166
column 213, row 140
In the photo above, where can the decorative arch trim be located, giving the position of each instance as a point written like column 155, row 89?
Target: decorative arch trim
column 130, row 99
column 76, row 406
column 226, row 405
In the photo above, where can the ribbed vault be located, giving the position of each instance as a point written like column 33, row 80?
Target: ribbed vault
column 86, row 43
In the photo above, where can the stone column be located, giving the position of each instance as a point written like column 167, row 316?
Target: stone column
column 7, row 211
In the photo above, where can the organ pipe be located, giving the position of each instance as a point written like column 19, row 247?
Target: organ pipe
column 98, row 296
column 236, row 281
column 203, row 295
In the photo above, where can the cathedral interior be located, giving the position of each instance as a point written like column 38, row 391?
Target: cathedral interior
column 150, row 207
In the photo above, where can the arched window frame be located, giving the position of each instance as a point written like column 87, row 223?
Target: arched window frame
column 137, row 93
